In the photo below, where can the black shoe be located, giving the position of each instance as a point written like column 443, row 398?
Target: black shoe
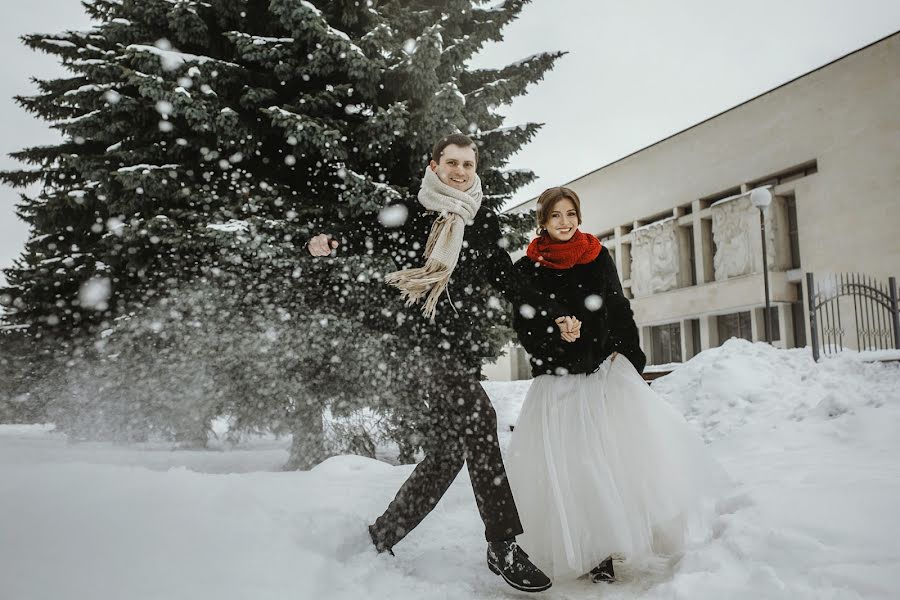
column 379, row 545
column 511, row 563
column 603, row 572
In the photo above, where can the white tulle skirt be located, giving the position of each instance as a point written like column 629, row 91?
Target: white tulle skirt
column 599, row 464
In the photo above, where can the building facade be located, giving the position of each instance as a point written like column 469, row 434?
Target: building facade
column 686, row 240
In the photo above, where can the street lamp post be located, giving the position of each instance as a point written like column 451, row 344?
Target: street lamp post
column 761, row 198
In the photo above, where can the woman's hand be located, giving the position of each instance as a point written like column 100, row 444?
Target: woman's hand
column 612, row 357
column 570, row 328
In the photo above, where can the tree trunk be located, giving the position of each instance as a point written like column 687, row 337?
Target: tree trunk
column 308, row 444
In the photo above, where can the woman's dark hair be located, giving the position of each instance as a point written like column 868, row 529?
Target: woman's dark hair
column 548, row 200
column 454, row 139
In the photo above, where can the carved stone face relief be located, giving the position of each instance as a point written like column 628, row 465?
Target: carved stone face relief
column 654, row 258
column 735, row 227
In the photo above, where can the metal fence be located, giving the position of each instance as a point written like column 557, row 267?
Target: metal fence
column 848, row 306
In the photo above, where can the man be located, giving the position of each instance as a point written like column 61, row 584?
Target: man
column 464, row 242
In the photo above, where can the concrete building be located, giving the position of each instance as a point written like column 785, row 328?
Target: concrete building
column 678, row 220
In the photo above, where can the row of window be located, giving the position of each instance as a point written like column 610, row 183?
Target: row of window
column 665, row 340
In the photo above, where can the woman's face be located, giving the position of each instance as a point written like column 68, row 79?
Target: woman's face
column 562, row 222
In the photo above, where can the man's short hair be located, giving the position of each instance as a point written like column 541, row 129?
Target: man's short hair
column 454, row 139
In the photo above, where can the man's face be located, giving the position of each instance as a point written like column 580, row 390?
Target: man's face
column 457, row 167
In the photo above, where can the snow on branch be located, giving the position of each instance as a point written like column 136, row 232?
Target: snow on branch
column 232, row 226
column 172, row 59
column 145, row 168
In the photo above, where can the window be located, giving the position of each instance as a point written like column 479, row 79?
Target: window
column 791, row 205
column 773, row 323
column 734, row 325
column 708, row 200
column 666, row 343
column 798, row 172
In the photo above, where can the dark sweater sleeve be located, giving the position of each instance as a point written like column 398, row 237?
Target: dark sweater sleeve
column 359, row 238
column 514, row 285
column 623, row 332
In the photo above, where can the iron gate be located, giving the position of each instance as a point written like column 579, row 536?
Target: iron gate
column 843, row 301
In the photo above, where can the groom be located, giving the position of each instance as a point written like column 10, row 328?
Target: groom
column 464, row 242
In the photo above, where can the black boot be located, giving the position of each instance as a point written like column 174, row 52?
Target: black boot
column 511, row 563
column 603, row 572
column 379, row 545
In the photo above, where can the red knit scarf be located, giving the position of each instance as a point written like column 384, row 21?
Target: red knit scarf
column 581, row 249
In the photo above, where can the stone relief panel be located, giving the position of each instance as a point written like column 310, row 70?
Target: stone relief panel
column 654, row 258
column 735, row 227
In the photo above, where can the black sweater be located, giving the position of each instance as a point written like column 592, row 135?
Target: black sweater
column 484, row 266
column 593, row 294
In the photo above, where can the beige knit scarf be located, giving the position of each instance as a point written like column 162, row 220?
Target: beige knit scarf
column 455, row 210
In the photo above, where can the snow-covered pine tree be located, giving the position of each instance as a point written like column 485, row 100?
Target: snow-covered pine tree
column 204, row 142
column 443, row 95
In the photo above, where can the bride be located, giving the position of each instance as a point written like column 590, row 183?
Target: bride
column 598, row 463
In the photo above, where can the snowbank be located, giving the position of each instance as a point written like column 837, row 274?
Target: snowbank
column 813, row 448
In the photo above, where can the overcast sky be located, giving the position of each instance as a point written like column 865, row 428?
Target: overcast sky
column 637, row 71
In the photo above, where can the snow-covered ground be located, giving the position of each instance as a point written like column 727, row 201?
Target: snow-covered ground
column 814, row 448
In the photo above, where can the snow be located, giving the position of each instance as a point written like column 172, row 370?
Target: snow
column 259, row 40
column 812, row 446
column 393, row 216
column 503, row 130
column 86, row 62
column 872, row 355
column 658, row 223
column 311, row 7
column 72, row 120
column 525, row 61
column 283, row 112
column 58, row 43
column 145, row 167
column 172, row 59
column 91, row 87
column 94, row 293
column 727, row 388
column 231, row 226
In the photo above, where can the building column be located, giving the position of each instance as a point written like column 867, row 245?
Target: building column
column 701, row 246
column 785, row 326
column 709, row 332
column 757, row 325
column 619, row 233
column 687, row 340
column 644, row 342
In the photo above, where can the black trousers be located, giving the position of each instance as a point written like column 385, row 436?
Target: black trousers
column 463, row 429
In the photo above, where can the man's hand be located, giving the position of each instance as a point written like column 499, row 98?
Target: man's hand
column 570, row 328
column 321, row 245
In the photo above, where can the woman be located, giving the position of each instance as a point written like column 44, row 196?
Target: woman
column 598, row 463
